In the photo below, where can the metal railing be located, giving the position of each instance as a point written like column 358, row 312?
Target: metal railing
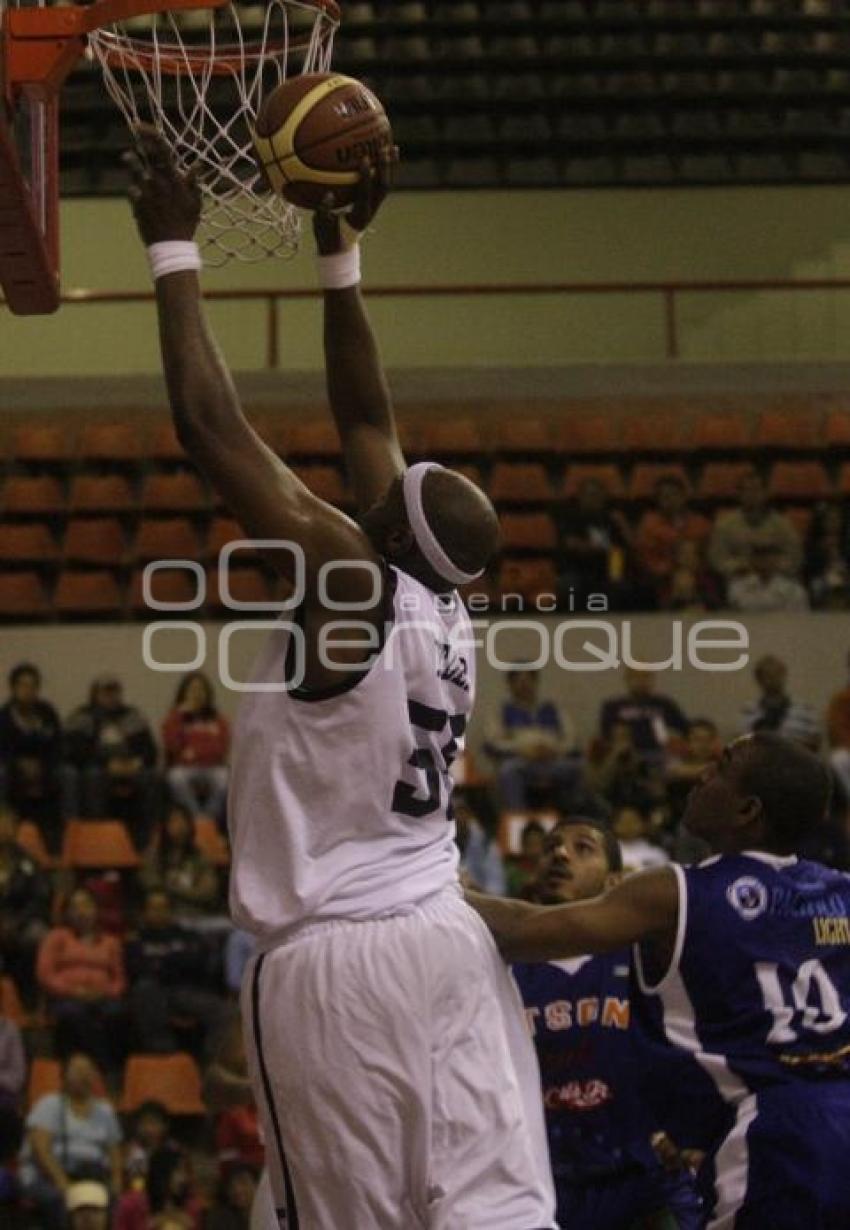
column 669, row 293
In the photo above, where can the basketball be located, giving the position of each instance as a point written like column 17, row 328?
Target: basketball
column 313, row 132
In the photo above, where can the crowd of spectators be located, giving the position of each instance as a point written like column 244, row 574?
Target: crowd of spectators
column 748, row 558
column 145, row 961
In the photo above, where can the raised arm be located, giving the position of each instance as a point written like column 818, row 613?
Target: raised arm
column 357, row 388
column 640, row 907
column 263, row 493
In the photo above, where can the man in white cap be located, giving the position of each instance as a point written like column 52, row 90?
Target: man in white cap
column 87, row 1203
column 388, row 1050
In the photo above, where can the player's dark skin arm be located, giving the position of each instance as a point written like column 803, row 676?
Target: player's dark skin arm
column 263, row 493
column 641, row 907
column 357, row 388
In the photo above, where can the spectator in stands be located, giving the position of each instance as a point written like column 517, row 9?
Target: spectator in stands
column 167, row 1202
column 71, row 1135
column 774, row 710
column 196, row 738
column 765, row 587
column 826, row 567
column 621, row 774
column 81, row 969
column 595, row 547
column 654, row 720
column 150, row 1130
column 24, row 907
column 33, row 778
column 12, row 1214
column 481, row 862
column 693, row 586
column 838, row 733
column 13, row 1063
column 753, row 523
column 111, row 746
column 167, row 969
column 176, row 866
column 533, row 744
column 232, row 1208
column 661, row 532
column 237, row 1138
column 633, row 829
column 88, row 1206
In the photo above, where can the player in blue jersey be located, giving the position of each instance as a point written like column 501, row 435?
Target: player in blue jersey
column 749, row 956
column 606, row 1172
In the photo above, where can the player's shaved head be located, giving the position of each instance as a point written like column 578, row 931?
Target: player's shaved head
column 791, row 783
column 462, row 518
column 459, row 514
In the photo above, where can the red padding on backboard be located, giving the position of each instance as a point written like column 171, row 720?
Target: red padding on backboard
column 30, row 283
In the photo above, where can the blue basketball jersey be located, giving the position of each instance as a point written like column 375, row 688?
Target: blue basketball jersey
column 759, row 987
column 579, row 1015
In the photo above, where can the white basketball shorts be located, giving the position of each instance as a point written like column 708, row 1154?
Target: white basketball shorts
column 395, row 1077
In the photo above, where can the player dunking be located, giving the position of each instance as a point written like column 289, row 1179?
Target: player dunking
column 749, row 954
column 392, row 1067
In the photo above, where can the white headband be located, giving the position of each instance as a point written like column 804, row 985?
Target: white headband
column 422, row 532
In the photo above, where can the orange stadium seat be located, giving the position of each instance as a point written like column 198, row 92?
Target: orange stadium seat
column 519, row 484
column 608, row 476
column 174, row 538
column 164, row 445
column 95, row 540
column 211, row 841
column 800, row 517
column 98, row 843
column 224, row 530
column 171, row 585
column 449, row 438
column 837, row 434
column 662, row 432
column 723, row 432
column 528, row 532
column 172, row 1080
column 118, row 442
column 180, row 492
column 789, row 429
column 88, row 593
column 245, row 585
column 720, row 480
column 325, row 482
column 23, row 596
column 45, row 445
column 312, row 440
column 33, row 496
column 107, row 493
column 29, row 838
column 586, row 434
column 799, row 480
column 644, row 477
column 30, row 543
column 528, row 577
column 515, row 432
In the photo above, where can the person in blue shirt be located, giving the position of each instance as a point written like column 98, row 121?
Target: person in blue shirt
column 600, row 1129
column 748, row 954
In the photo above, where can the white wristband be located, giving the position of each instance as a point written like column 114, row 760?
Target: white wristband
column 340, row 270
column 173, row 256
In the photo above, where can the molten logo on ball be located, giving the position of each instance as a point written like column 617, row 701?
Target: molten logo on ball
column 312, row 127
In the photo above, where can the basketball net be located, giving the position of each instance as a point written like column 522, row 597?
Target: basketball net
column 199, row 77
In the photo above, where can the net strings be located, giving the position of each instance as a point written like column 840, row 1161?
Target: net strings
column 206, row 116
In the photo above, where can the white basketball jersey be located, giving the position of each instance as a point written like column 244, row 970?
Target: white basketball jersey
column 339, row 801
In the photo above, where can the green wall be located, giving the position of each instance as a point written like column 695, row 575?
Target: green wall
column 487, row 237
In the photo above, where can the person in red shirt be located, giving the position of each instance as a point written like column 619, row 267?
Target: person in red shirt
column 81, row 969
column 662, row 530
column 196, row 738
